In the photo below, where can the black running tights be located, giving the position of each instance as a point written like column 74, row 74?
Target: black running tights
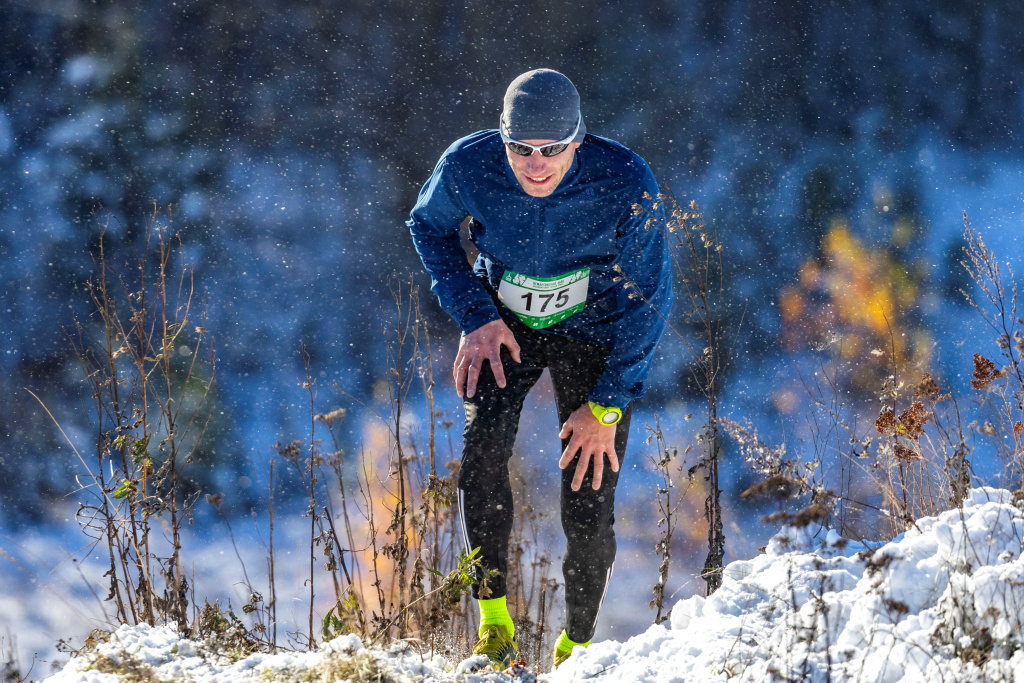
column 485, row 494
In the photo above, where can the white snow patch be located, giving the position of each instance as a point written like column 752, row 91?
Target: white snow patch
column 161, row 654
column 942, row 602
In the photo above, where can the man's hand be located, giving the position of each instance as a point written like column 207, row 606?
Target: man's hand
column 593, row 440
column 483, row 343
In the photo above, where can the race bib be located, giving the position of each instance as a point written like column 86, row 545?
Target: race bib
column 543, row 301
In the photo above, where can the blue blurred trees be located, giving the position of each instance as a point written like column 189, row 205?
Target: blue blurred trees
column 289, row 139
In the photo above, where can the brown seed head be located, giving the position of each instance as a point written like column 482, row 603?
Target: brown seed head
column 811, row 514
column 903, row 453
column 984, row 372
column 886, row 422
column 913, row 419
column 777, row 486
column 927, row 387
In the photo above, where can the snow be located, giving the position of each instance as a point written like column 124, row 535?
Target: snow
column 941, row 602
column 816, row 607
column 160, row 654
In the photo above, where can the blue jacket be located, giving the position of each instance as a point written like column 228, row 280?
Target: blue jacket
column 588, row 221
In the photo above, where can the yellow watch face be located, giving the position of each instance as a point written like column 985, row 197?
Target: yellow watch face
column 606, row 416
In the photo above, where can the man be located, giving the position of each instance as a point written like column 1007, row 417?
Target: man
column 562, row 255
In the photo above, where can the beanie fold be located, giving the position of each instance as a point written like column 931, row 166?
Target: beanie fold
column 542, row 105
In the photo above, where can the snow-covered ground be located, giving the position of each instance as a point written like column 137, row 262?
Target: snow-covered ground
column 942, row 602
column 52, row 587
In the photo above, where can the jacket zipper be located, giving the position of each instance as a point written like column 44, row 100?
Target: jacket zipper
column 537, row 238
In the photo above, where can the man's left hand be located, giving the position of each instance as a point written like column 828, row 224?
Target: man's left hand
column 594, row 440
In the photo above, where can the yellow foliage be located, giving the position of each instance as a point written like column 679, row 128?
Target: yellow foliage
column 858, row 294
column 856, row 281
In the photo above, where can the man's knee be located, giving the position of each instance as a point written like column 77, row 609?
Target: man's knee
column 588, row 521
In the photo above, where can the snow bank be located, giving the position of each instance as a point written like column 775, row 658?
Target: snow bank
column 136, row 653
column 942, row 602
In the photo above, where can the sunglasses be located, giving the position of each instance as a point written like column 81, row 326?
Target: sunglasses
column 525, row 149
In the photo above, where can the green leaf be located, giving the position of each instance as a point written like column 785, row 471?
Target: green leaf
column 332, row 626
column 123, row 490
column 139, row 452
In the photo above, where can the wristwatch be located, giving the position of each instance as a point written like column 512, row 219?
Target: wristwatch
column 605, row 415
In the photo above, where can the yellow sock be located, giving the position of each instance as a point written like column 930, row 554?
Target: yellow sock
column 495, row 611
column 565, row 644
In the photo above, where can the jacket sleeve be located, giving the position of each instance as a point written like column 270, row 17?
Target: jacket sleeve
column 434, row 223
column 644, row 261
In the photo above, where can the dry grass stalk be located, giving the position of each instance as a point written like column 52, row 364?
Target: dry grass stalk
column 697, row 259
column 915, row 452
column 152, row 394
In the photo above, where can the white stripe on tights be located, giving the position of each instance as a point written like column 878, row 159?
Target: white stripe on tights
column 462, row 521
column 607, row 582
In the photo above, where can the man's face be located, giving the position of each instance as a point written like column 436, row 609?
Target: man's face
column 540, row 175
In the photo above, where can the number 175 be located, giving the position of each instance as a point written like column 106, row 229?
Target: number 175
column 561, row 299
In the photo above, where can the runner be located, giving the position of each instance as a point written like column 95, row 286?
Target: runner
column 561, row 251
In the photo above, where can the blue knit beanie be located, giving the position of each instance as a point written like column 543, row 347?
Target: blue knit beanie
column 542, row 105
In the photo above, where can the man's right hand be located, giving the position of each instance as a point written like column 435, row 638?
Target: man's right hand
column 483, row 343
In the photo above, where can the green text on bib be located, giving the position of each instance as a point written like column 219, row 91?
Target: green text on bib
column 543, row 301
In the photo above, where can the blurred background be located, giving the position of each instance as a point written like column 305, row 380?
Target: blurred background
column 832, row 146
